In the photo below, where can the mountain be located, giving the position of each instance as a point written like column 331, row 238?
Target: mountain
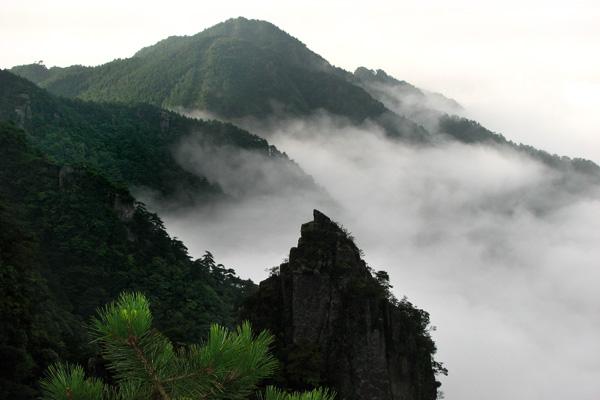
column 234, row 69
column 71, row 241
column 250, row 68
column 337, row 324
column 439, row 115
column 140, row 146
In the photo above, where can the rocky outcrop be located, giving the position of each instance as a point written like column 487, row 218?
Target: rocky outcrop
column 23, row 110
column 337, row 325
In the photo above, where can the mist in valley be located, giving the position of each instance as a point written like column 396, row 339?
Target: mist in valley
column 498, row 247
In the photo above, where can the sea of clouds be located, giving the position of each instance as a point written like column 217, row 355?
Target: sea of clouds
column 500, row 249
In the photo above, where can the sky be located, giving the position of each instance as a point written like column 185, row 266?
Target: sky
column 529, row 69
column 502, row 255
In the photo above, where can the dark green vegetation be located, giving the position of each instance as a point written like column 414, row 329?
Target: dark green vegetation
column 70, row 242
column 236, row 68
column 244, row 67
column 146, row 365
column 336, row 323
column 131, row 145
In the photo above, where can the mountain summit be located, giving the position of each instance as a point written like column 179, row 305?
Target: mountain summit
column 237, row 68
column 261, row 34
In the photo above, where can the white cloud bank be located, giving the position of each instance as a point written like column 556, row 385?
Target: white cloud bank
column 487, row 240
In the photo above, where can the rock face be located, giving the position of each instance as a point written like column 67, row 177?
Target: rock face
column 336, row 325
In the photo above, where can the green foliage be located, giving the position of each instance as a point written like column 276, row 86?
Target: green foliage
column 227, row 366
column 417, row 327
column 237, row 68
column 129, row 145
column 70, row 241
column 272, row 393
column 130, row 315
column 146, row 365
column 68, row 382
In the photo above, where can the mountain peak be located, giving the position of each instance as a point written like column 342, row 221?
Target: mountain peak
column 331, row 316
column 268, row 36
column 325, row 246
column 245, row 23
column 320, row 218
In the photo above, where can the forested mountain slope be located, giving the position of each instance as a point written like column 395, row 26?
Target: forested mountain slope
column 234, row 69
column 242, row 68
column 133, row 145
column 71, row 241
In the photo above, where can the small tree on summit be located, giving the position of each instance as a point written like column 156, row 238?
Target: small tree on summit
column 146, row 365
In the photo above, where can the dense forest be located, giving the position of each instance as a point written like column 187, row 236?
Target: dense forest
column 131, row 145
column 72, row 241
column 237, row 68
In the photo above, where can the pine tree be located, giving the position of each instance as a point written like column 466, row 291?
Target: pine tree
column 146, row 365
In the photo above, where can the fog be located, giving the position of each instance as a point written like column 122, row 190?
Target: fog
column 487, row 240
column 243, row 173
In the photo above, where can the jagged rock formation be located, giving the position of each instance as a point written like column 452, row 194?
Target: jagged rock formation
column 336, row 324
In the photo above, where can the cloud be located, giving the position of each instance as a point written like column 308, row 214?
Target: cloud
column 242, row 172
column 491, row 242
column 421, row 106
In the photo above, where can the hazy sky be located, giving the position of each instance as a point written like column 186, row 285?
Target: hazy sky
column 529, row 69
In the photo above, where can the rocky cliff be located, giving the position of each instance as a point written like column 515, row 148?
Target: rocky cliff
column 336, row 323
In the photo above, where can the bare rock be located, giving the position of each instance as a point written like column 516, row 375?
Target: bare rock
column 336, row 325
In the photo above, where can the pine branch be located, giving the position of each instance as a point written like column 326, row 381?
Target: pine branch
column 228, row 366
column 158, row 385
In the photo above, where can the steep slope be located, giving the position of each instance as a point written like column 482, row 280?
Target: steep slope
column 337, row 324
column 237, row 68
column 136, row 145
column 71, row 241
